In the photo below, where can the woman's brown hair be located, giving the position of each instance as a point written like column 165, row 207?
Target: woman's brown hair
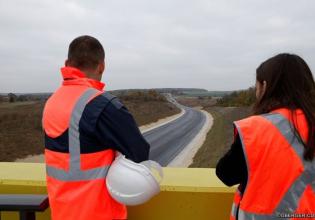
column 290, row 84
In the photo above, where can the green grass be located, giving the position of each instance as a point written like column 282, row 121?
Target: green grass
column 220, row 136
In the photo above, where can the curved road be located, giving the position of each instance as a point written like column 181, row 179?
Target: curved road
column 168, row 140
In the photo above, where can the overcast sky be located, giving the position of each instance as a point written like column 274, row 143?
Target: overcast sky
column 216, row 45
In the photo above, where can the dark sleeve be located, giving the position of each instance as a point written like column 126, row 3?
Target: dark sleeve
column 117, row 129
column 231, row 168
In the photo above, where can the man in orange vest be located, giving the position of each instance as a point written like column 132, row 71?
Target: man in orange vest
column 84, row 126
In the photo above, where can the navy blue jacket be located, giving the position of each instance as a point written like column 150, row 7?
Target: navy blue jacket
column 231, row 168
column 105, row 124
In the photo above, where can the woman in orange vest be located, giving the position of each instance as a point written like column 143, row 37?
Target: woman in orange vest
column 272, row 157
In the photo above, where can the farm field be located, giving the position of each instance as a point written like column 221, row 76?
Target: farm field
column 20, row 123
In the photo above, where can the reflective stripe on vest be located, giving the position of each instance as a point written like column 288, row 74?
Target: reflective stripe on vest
column 290, row 200
column 236, row 204
column 75, row 173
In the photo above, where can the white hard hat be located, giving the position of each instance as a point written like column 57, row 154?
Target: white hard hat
column 133, row 183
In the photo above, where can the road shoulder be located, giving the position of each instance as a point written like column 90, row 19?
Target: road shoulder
column 185, row 157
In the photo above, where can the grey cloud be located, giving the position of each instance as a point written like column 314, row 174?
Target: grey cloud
column 215, row 45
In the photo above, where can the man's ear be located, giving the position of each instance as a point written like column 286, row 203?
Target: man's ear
column 101, row 68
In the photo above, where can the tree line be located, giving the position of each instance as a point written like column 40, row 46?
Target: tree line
column 150, row 95
column 12, row 97
column 238, row 98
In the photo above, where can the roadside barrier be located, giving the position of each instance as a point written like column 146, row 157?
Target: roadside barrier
column 186, row 193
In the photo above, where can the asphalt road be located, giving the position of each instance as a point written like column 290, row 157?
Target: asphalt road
column 168, row 140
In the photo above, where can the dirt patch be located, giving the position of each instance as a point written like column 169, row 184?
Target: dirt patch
column 20, row 130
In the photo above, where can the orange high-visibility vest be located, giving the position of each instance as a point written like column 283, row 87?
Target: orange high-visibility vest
column 76, row 182
column 280, row 182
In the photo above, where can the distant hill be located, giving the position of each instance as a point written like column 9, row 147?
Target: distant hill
column 22, row 97
column 191, row 92
column 238, row 98
column 207, row 93
column 178, row 90
column 175, row 91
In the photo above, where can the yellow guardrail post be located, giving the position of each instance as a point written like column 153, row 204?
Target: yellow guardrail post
column 186, row 193
column 23, row 178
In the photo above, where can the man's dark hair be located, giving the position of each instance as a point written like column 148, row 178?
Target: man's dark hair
column 85, row 52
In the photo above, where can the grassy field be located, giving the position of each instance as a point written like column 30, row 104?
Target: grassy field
column 205, row 102
column 220, row 136
column 146, row 112
column 20, row 124
column 20, row 130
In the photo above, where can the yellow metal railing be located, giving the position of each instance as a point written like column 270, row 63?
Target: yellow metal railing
column 186, row 193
